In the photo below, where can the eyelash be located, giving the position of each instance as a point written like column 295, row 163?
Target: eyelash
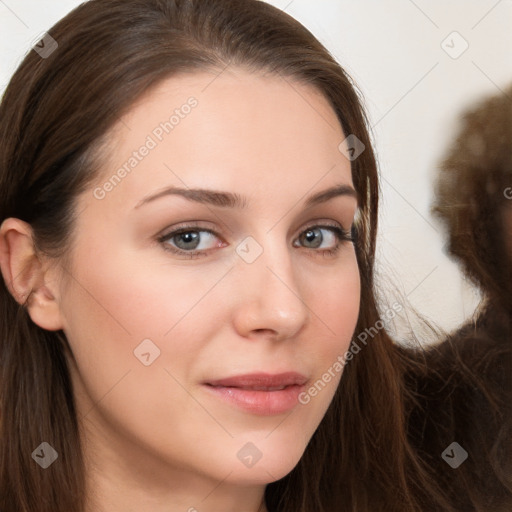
column 341, row 234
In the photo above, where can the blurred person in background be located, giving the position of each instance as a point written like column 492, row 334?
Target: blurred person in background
column 464, row 384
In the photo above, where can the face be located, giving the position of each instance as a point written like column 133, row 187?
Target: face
column 196, row 319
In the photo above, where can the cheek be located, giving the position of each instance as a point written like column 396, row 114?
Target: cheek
column 115, row 325
column 124, row 313
column 126, row 295
column 335, row 304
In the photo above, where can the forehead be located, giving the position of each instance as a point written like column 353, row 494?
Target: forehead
column 229, row 129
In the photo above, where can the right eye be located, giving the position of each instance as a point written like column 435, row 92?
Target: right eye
column 189, row 241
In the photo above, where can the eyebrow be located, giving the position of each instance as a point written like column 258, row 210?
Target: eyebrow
column 233, row 200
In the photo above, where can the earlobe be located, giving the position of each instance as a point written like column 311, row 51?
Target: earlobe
column 24, row 274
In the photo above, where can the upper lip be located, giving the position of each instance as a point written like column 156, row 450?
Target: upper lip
column 261, row 380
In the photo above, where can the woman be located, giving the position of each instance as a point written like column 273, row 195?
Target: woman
column 139, row 373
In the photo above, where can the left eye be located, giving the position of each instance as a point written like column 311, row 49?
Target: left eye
column 315, row 237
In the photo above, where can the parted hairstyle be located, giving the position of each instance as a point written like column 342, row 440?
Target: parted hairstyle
column 54, row 117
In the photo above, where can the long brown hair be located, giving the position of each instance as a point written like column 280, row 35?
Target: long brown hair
column 53, row 117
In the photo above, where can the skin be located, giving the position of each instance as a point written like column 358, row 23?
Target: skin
column 155, row 440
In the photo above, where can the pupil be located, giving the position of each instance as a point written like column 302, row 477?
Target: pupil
column 189, row 237
column 310, row 236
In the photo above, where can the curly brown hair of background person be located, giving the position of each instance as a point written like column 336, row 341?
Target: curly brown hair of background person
column 473, row 197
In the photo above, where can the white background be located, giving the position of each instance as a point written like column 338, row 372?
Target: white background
column 414, row 92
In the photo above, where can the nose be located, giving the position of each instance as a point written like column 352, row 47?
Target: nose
column 269, row 300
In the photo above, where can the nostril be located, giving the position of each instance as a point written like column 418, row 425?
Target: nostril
column 269, row 331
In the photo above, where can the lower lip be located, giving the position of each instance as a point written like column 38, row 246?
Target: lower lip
column 265, row 403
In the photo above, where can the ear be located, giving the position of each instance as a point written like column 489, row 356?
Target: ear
column 27, row 276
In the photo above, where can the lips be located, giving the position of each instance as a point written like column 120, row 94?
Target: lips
column 261, row 380
column 260, row 393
